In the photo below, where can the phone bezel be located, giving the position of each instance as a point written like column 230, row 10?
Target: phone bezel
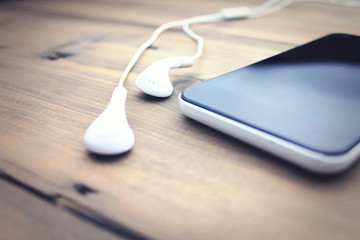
column 311, row 160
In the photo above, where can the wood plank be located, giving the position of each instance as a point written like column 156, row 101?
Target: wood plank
column 25, row 216
column 182, row 180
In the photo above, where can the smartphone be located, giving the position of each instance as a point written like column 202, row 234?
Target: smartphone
column 302, row 105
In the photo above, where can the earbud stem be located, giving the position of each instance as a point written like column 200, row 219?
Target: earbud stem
column 182, row 62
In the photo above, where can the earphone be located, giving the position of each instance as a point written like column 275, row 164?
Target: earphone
column 155, row 80
column 110, row 132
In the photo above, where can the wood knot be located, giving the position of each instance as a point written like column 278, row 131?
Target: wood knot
column 57, row 55
column 83, row 189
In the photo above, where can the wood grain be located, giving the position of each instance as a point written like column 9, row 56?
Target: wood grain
column 60, row 60
column 25, row 216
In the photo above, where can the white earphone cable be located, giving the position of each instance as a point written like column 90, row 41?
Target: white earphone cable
column 161, row 29
column 345, row 3
column 268, row 9
column 276, row 5
column 199, row 39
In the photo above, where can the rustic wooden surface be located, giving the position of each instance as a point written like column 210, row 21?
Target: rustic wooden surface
column 59, row 62
column 24, row 216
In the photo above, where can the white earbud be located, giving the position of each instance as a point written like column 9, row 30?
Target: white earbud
column 155, row 80
column 110, row 133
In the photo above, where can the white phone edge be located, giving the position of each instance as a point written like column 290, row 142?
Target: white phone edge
column 308, row 159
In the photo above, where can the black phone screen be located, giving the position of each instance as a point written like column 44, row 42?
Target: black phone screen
column 309, row 95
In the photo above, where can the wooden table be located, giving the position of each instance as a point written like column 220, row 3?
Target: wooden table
column 60, row 61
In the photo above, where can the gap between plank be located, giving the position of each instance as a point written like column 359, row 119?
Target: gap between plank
column 77, row 210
